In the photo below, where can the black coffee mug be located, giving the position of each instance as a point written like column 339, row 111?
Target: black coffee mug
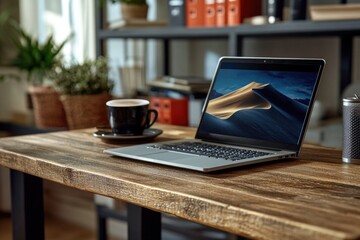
column 130, row 116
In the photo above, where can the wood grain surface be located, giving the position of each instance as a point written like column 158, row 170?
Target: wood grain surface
column 315, row 196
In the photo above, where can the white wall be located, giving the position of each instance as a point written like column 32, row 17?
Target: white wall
column 13, row 103
column 13, row 93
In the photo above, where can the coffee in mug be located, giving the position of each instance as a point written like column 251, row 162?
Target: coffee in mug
column 130, row 116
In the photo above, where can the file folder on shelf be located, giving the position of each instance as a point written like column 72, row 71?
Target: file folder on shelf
column 238, row 10
column 176, row 12
column 210, row 13
column 195, row 13
column 221, row 13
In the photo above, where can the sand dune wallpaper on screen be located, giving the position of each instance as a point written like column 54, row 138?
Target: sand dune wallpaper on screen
column 257, row 104
column 242, row 99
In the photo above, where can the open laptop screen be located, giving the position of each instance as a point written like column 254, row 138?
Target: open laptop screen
column 260, row 101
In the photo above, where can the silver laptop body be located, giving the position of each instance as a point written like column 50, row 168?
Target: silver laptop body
column 256, row 110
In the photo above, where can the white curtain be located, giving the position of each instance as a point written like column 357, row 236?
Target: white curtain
column 82, row 23
column 62, row 19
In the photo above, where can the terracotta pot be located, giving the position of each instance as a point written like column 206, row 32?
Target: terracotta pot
column 48, row 110
column 86, row 111
column 134, row 11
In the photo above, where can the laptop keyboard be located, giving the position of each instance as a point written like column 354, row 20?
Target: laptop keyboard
column 209, row 150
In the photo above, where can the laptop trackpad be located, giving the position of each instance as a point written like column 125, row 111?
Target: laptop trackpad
column 168, row 156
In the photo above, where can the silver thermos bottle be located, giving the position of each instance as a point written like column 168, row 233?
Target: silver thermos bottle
column 351, row 132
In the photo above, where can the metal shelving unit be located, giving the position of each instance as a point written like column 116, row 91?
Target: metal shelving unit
column 346, row 31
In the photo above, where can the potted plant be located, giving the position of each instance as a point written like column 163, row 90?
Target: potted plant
column 37, row 59
column 84, row 89
column 133, row 9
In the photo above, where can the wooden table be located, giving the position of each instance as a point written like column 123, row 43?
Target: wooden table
column 313, row 197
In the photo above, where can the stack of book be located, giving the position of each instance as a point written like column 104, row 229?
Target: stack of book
column 181, row 84
column 212, row 13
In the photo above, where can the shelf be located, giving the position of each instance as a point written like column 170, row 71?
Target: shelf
column 290, row 28
column 165, row 32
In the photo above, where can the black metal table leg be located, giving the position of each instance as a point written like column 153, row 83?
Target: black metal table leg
column 101, row 223
column 143, row 223
column 27, row 206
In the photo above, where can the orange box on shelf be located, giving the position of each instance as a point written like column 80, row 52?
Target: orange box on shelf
column 171, row 111
column 195, row 13
column 221, row 13
column 210, row 13
column 238, row 10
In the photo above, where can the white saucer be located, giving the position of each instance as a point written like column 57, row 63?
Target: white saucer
column 147, row 134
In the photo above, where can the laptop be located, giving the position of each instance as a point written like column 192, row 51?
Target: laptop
column 256, row 110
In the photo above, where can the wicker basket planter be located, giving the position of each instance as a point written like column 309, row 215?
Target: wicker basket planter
column 48, row 110
column 85, row 111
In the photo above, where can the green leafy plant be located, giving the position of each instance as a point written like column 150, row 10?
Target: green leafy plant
column 36, row 58
column 90, row 77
